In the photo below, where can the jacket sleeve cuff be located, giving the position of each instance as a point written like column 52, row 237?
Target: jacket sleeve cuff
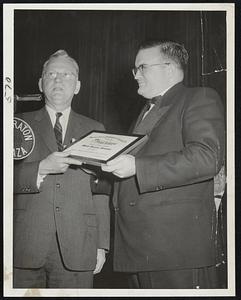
column 146, row 171
column 25, row 178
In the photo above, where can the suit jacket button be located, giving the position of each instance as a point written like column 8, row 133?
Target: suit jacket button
column 132, row 203
column 116, row 209
column 57, row 208
column 158, row 188
column 58, row 185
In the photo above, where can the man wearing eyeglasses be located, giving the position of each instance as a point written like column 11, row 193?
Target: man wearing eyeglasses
column 164, row 203
column 61, row 230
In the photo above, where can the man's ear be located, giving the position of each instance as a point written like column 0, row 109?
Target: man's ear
column 171, row 69
column 77, row 88
column 171, row 72
column 40, row 85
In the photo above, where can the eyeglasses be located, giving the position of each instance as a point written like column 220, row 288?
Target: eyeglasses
column 64, row 75
column 143, row 67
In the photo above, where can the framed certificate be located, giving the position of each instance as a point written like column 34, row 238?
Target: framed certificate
column 98, row 147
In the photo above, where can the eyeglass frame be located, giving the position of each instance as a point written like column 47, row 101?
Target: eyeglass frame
column 64, row 75
column 145, row 66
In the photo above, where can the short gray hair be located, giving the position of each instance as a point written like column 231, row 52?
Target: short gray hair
column 64, row 54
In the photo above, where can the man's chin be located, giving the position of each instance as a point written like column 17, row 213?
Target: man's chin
column 58, row 97
column 56, row 100
column 142, row 92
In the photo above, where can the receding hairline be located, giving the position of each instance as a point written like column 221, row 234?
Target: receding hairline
column 63, row 56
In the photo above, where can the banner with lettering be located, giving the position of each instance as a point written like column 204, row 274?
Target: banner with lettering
column 24, row 139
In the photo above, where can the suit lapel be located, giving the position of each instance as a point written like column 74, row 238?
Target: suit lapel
column 45, row 129
column 151, row 119
column 75, row 128
column 69, row 135
column 136, row 124
column 159, row 111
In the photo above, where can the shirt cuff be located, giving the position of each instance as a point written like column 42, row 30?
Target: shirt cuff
column 40, row 179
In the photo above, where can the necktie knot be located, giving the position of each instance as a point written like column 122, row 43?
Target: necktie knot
column 155, row 99
column 58, row 115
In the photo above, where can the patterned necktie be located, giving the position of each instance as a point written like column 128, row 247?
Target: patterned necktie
column 58, row 131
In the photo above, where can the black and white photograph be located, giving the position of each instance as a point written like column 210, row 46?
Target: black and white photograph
column 118, row 150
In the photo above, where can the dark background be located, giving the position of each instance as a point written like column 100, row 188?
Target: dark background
column 104, row 43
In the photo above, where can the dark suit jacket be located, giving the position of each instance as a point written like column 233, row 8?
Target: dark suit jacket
column 63, row 203
column 165, row 214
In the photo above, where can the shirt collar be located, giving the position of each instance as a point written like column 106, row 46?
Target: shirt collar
column 52, row 112
column 164, row 92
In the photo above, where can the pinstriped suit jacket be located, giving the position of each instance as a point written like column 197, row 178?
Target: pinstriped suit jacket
column 64, row 202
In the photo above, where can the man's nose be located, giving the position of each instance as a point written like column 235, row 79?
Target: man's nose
column 59, row 77
column 138, row 74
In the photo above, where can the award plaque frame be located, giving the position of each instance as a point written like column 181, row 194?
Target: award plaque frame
column 99, row 147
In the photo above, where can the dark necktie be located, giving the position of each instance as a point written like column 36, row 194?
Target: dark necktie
column 58, row 131
column 147, row 106
column 145, row 109
column 155, row 99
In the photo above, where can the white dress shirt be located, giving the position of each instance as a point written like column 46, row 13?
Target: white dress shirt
column 64, row 122
column 63, row 119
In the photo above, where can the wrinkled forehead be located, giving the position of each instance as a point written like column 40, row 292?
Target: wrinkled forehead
column 62, row 64
column 149, row 55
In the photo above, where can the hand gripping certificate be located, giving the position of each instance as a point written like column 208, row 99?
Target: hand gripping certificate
column 98, row 147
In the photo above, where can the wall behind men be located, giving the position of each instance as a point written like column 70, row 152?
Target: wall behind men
column 104, row 43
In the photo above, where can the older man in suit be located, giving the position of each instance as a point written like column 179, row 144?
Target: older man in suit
column 164, row 200
column 61, row 230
